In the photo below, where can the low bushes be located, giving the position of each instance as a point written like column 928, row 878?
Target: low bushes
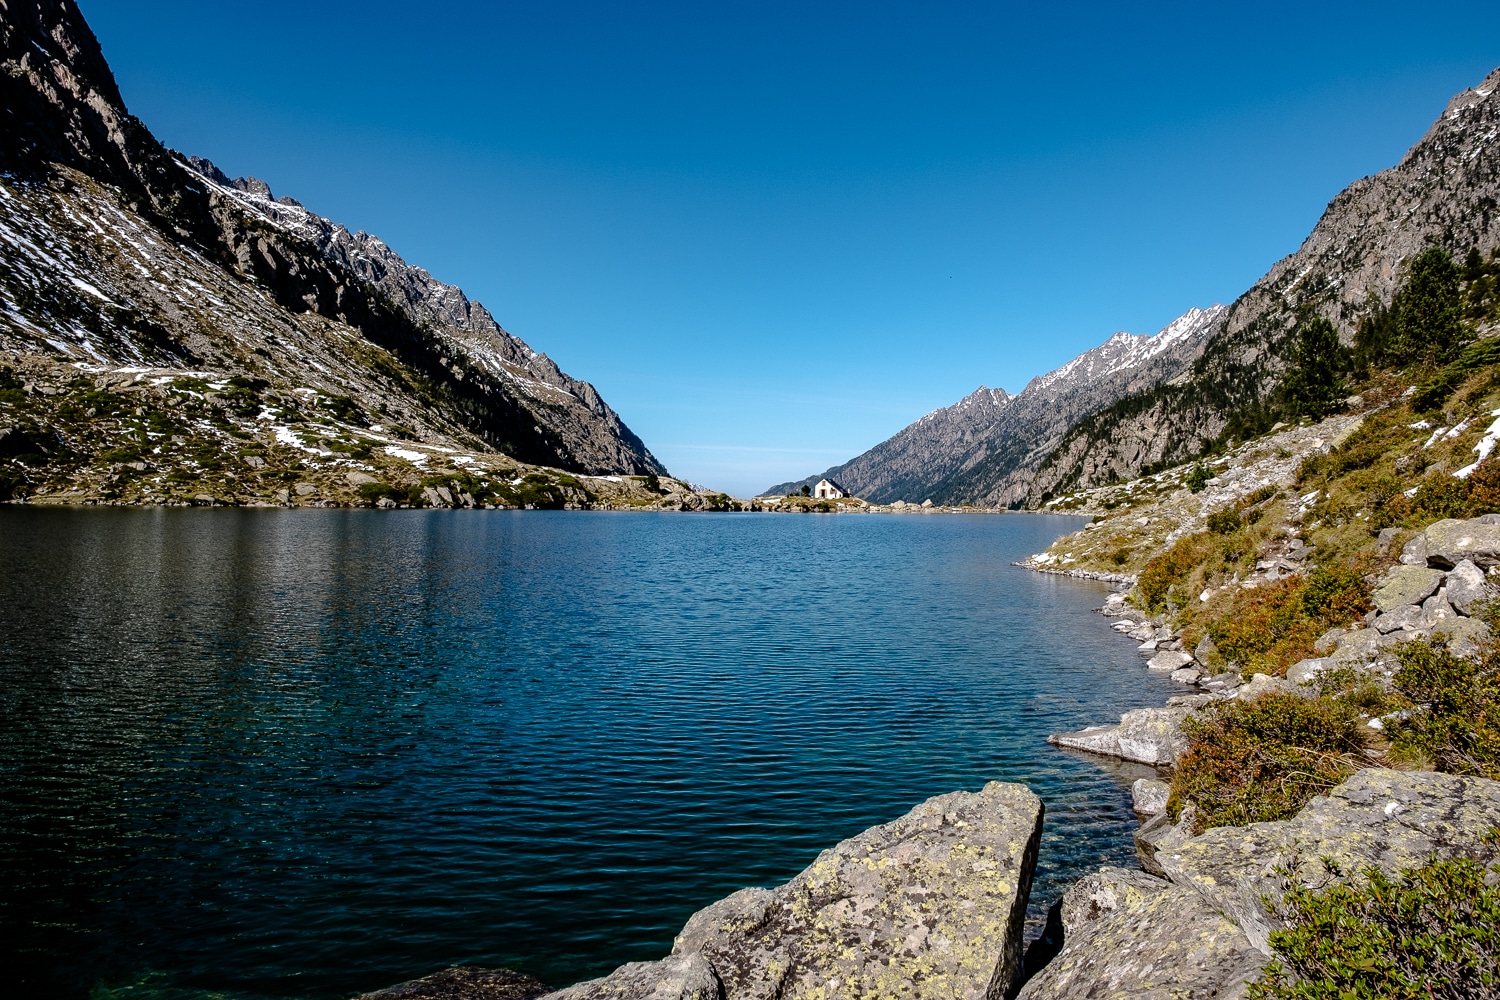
column 1267, row 629
column 1263, row 760
column 1452, row 719
column 1432, row 933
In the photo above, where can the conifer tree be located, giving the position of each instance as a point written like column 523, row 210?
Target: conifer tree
column 1314, row 383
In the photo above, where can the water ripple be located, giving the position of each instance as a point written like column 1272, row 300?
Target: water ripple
column 292, row 753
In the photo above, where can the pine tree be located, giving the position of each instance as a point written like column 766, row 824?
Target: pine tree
column 1428, row 313
column 1314, row 384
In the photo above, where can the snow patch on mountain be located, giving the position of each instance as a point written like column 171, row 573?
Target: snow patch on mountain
column 1124, row 351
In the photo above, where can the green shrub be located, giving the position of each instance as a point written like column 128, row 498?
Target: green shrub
column 1170, row 569
column 1263, row 760
column 1224, row 522
column 1452, row 722
column 1432, row 933
column 1198, row 477
column 371, row 492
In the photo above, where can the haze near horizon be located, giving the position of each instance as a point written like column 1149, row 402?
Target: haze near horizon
column 772, row 237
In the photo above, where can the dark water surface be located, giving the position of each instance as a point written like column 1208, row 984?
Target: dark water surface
column 307, row 753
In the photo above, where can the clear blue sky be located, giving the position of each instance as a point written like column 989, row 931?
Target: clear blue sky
column 773, row 234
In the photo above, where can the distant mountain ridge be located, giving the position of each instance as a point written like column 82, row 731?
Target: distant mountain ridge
column 94, row 202
column 1212, row 378
column 990, row 427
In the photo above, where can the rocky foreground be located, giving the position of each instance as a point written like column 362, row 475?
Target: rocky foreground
column 933, row 905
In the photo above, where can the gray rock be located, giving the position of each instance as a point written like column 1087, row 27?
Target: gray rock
column 677, row 977
column 1329, row 641
column 463, row 982
column 1147, row 735
column 1464, row 637
column 1414, row 552
column 1187, row 675
column 1436, row 608
column 1358, row 647
column 1307, row 671
column 1169, row 661
column 1127, row 934
column 1264, row 684
column 1148, row 796
column 386, row 503
column 304, row 489
column 1385, row 539
column 1450, row 542
column 254, row 461
column 1467, row 589
column 1190, row 701
column 1389, row 819
column 1206, row 652
column 1404, row 618
column 1160, row 833
column 1405, row 585
column 929, row 906
column 356, row 478
column 1227, row 681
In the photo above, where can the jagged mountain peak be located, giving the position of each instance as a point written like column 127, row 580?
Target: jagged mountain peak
column 1124, row 351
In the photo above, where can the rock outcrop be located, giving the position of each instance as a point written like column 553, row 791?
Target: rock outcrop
column 931, row 905
column 679, row 977
column 1130, row 934
column 1382, row 818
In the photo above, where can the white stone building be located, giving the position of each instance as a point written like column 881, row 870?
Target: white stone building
column 827, row 489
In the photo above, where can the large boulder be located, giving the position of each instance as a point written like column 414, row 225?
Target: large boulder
column 931, row 905
column 1406, row 585
column 1467, row 589
column 1148, row 735
column 1128, row 934
column 1463, row 636
column 1389, row 819
column 678, row 977
column 1450, row 542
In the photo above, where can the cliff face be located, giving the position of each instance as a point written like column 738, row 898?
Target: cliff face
column 117, row 251
column 1094, row 421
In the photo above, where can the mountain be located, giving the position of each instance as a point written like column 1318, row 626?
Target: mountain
column 1081, row 431
column 116, row 252
column 989, row 434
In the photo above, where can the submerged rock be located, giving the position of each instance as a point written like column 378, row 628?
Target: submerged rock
column 1129, row 934
column 929, row 906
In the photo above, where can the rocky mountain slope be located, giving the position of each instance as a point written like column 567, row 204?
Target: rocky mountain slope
column 118, row 255
column 944, row 455
column 1443, row 193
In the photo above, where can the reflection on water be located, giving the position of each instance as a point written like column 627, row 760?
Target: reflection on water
column 304, row 753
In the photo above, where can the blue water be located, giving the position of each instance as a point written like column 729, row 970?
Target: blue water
column 308, row 753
